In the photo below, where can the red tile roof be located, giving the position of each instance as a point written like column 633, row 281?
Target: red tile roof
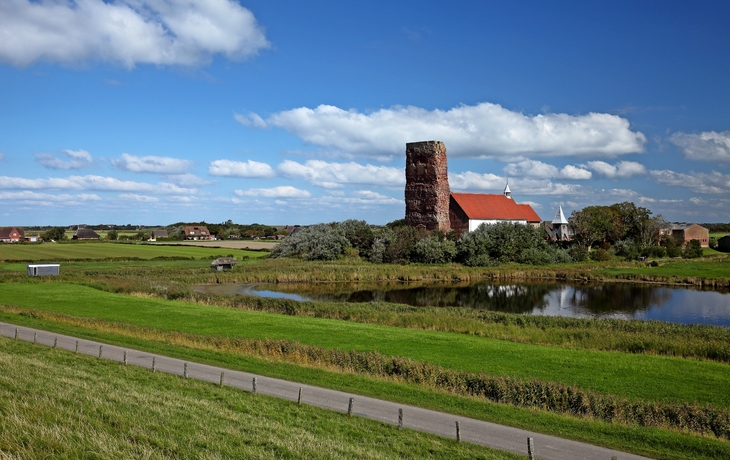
column 494, row 207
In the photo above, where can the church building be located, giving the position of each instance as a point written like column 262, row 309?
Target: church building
column 431, row 205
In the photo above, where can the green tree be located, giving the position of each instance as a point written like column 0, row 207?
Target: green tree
column 317, row 242
column 359, row 234
column 594, row 224
column 55, row 234
column 112, row 235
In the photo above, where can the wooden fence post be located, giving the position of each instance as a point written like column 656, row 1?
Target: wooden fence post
column 55, row 342
column 223, row 375
column 100, row 348
column 299, row 399
column 125, row 357
column 35, row 337
column 349, row 407
column 458, row 432
column 77, row 347
column 530, row 449
column 400, row 419
column 254, row 385
column 185, row 370
column 154, row 369
column 16, row 333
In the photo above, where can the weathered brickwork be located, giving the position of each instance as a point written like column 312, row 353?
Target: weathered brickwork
column 427, row 186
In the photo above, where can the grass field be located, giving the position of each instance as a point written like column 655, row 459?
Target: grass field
column 505, row 345
column 90, row 251
column 57, row 405
column 633, row 376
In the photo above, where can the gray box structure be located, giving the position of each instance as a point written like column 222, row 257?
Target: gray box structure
column 43, row 269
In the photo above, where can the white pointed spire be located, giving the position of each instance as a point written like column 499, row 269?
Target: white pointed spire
column 507, row 191
column 560, row 217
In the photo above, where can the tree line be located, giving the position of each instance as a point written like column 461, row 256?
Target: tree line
column 622, row 230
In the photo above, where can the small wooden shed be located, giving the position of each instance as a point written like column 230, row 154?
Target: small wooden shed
column 43, row 269
column 223, row 263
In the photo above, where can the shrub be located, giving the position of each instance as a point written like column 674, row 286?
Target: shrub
column 359, row 235
column 600, row 255
column 578, row 253
column 627, row 249
column 692, row 250
column 318, row 242
column 434, row 250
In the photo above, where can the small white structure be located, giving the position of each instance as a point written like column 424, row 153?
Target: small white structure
column 43, row 269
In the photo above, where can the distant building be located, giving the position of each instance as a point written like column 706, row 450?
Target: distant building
column 558, row 229
column 86, row 234
column 159, row 233
column 11, row 234
column 431, row 205
column 686, row 232
column 223, row 263
column 467, row 211
column 197, row 232
column 723, row 244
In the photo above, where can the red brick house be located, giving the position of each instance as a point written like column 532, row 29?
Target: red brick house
column 686, row 232
column 11, row 234
column 197, row 232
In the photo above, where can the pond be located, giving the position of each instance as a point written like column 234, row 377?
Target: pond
column 580, row 300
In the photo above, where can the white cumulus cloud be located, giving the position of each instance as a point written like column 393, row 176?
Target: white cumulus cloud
column 482, row 130
column 283, row 191
column 77, row 159
column 127, row 32
column 93, row 183
column 152, row 164
column 710, row 183
column 247, row 169
column 534, row 168
column 707, row 146
column 333, row 175
column 621, row 170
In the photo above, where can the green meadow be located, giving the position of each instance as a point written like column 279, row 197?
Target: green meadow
column 54, row 404
column 90, row 251
column 141, row 296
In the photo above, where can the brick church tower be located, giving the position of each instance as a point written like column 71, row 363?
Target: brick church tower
column 427, row 186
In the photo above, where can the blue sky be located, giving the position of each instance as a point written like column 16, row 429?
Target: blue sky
column 289, row 112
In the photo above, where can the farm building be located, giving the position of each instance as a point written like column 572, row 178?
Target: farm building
column 197, row 232
column 686, row 232
column 43, row 269
column 723, row 244
column 223, row 263
column 159, row 233
column 86, row 234
column 431, row 205
column 11, row 234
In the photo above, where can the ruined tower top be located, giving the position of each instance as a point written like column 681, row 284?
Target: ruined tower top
column 427, row 186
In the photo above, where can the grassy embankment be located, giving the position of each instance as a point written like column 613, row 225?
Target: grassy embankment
column 199, row 332
column 57, row 405
column 650, row 337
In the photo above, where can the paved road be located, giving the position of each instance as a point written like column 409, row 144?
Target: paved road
column 429, row 421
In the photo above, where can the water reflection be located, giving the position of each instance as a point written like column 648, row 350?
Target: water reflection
column 611, row 300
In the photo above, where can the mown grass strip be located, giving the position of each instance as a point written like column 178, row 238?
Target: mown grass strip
column 112, row 251
column 57, row 405
column 645, row 377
